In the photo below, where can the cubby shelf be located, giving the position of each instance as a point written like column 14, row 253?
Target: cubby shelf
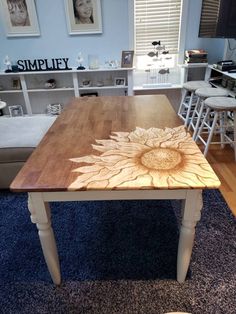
column 214, row 76
column 34, row 98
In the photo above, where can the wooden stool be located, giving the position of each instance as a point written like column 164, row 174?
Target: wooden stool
column 202, row 94
column 185, row 107
column 217, row 107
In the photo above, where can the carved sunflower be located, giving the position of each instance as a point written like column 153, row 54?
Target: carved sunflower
column 153, row 158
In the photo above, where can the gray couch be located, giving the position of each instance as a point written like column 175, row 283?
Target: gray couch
column 18, row 138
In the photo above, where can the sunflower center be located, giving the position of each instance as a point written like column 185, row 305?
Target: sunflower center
column 161, row 159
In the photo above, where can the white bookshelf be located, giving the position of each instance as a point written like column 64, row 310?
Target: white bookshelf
column 31, row 93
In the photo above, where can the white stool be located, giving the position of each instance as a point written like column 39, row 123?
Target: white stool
column 185, row 107
column 217, row 107
column 202, row 94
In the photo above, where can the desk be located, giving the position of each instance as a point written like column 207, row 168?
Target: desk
column 113, row 148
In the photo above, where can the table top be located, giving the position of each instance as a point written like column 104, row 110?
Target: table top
column 116, row 142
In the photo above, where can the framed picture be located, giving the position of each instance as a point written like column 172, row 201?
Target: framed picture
column 19, row 17
column 119, row 81
column 16, row 111
column 127, row 59
column 83, row 17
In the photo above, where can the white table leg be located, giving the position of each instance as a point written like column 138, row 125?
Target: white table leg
column 40, row 215
column 191, row 215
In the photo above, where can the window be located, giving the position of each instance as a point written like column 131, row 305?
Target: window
column 157, row 20
column 164, row 21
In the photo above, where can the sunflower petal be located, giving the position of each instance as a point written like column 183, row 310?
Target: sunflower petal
column 144, row 181
column 126, row 174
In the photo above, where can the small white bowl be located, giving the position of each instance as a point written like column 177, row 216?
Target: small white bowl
column 3, row 104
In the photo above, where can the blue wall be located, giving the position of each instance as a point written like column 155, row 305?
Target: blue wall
column 214, row 47
column 55, row 41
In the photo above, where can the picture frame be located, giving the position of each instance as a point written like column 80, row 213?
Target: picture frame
column 19, row 26
column 119, row 81
column 15, row 111
column 89, row 25
column 127, row 59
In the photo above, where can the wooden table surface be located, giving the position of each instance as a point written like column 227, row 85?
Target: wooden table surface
column 81, row 151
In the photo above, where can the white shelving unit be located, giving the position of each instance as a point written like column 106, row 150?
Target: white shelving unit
column 28, row 88
column 213, row 79
column 188, row 66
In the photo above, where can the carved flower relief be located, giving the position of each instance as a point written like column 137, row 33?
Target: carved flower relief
column 152, row 158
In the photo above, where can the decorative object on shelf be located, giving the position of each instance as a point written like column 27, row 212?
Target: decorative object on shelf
column 15, row 68
column 16, row 111
column 80, row 60
column 51, row 83
column 54, row 109
column 7, row 62
column 163, row 75
column 119, row 81
column 112, row 64
column 94, row 94
column 195, row 56
column 18, row 24
column 83, row 17
column 231, row 84
column 2, row 105
column 93, row 62
column 85, row 83
column 54, row 64
column 16, row 83
column 100, row 83
column 157, row 71
column 127, row 59
column 157, row 49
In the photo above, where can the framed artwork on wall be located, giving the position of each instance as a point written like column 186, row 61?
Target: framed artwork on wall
column 19, row 17
column 83, row 16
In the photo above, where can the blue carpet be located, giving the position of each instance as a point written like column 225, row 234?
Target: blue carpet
column 117, row 257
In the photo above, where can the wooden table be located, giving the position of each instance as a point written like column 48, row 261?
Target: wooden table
column 113, row 148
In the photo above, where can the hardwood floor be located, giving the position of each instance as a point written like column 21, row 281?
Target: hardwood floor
column 224, row 165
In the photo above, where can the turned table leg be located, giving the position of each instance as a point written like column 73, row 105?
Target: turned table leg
column 40, row 215
column 191, row 215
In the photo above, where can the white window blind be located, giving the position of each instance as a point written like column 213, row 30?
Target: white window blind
column 157, row 20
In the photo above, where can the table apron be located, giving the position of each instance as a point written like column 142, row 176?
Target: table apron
column 111, row 195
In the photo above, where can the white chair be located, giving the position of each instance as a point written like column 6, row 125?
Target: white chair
column 217, row 108
column 187, row 102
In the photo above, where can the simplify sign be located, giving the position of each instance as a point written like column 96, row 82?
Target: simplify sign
column 43, row 64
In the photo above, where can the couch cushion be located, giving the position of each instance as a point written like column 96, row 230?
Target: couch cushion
column 13, row 154
column 20, row 135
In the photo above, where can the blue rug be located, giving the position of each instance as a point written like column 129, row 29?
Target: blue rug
column 117, row 257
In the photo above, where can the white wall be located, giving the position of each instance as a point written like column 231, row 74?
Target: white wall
column 214, row 47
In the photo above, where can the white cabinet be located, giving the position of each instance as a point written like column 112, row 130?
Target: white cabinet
column 28, row 88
